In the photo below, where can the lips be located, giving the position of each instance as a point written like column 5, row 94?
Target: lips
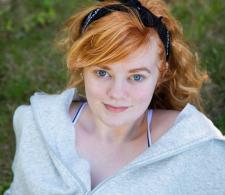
column 115, row 108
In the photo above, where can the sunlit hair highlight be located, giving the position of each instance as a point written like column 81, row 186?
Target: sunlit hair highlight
column 115, row 36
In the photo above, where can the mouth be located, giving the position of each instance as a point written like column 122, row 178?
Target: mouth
column 115, row 108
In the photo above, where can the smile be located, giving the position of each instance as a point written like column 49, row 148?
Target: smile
column 115, row 109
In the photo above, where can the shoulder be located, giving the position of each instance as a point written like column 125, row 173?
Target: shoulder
column 162, row 121
column 211, row 155
column 168, row 115
column 168, row 118
column 219, row 146
column 23, row 121
column 48, row 98
column 22, row 113
column 73, row 108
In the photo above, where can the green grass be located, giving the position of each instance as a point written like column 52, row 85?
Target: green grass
column 203, row 26
column 29, row 61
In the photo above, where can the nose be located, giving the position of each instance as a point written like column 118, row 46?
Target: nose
column 118, row 89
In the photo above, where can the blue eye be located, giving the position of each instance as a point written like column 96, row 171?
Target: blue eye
column 101, row 73
column 137, row 77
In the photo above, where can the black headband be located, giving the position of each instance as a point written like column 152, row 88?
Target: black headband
column 147, row 18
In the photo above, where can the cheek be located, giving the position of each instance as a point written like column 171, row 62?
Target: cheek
column 142, row 97
column 144, row 93
column 92, row 88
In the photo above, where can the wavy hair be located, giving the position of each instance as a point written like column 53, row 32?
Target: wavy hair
column 113, row 37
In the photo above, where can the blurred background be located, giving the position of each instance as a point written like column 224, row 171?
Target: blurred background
column 29, row 60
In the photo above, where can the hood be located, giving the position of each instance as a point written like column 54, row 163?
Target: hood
column 190, row 128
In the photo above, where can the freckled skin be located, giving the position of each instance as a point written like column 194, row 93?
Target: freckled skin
column 118, row 88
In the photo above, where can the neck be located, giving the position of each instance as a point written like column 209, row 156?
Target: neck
column 119, row 134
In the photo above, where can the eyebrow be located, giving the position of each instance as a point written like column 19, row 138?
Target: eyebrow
column 130, row 71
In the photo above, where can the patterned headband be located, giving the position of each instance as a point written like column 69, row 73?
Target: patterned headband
column 146, row 16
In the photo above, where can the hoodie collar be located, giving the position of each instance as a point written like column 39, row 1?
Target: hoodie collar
column 51, row 114
column 190, row 128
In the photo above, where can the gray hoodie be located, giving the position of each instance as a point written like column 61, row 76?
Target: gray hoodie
column 188, row 159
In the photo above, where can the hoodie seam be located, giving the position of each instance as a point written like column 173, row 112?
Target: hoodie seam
column 152, row 160
column 187, row 146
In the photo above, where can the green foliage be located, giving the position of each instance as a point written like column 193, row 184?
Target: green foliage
column 28, row 62
column 220, row 122
column 29, row 15
column 4, row 187
column 203, row 25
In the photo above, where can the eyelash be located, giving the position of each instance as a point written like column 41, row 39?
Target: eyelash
column 98, row 74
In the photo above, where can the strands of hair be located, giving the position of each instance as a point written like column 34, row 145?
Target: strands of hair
column 115, row 36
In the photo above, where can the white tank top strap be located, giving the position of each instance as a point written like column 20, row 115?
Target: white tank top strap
column 78, row 111
column 149, row 119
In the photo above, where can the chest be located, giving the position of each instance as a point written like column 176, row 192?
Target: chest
column 106, row 160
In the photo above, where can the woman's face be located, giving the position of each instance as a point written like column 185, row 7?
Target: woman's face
column 119, row 93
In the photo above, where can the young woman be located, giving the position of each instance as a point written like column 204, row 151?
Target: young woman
column 129, row 121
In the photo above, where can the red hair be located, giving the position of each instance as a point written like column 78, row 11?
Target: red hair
column 113, row 37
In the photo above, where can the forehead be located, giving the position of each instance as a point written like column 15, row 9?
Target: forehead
column 147, row 55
